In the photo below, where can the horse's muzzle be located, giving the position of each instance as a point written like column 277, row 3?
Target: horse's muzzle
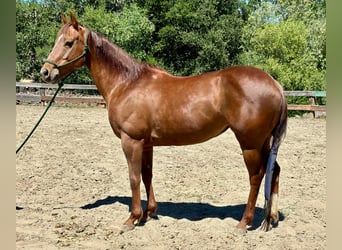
column 49, row 75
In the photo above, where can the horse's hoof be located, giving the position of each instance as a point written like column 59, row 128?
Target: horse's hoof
column 125, row 228
column 266, row 226
column 240, row 231
column 148, row 217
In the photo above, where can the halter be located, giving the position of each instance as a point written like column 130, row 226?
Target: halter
column 85, row 50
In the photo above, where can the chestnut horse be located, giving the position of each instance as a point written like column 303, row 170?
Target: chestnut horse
column 149, row 107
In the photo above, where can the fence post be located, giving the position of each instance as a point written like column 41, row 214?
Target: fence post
column 42, row 92
column 312, row 102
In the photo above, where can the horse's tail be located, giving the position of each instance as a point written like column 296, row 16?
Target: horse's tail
column 278, row 134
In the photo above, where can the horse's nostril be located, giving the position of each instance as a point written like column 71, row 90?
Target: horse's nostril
column 45, row 72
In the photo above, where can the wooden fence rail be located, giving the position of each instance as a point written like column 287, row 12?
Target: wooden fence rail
column 22, row 97
column 312, row 101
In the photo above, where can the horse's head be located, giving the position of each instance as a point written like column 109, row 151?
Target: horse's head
column 68, row 53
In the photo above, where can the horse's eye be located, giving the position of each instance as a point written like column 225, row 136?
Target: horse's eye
column 68, row 44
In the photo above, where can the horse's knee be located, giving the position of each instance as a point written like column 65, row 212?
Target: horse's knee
column 134, row 181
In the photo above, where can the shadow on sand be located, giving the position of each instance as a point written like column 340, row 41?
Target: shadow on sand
column 188, row 210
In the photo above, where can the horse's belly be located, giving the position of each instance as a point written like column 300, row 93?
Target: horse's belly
column 185, row 132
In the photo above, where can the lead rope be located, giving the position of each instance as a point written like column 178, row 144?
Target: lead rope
column 60, row 85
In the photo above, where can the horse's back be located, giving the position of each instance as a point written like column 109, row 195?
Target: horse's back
column 250, row 79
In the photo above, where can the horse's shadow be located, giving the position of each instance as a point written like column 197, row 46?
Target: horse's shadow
column 189, row 210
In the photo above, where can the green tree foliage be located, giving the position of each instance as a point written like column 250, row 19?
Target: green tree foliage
column 286, row 38
column 199, row 36
column 129, row 28
column 37, row 23
column 33, row 30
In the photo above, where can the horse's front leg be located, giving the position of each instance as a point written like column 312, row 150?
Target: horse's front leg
column 133, row 150
column 146, row 173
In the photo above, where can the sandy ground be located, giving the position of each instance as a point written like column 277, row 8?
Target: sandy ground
column 72, row 188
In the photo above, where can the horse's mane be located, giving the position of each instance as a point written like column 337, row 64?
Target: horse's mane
column 117, row 58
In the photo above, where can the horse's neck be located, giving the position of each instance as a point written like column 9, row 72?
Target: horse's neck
column 109, row 65
column 104, row 82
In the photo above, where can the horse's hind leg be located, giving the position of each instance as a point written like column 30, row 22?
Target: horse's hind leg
column 271, row 211
column 275, row 191
column 255, row 162
column 146, row 172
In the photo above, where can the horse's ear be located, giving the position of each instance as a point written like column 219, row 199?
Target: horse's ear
column 74, row 22
column 64, row 20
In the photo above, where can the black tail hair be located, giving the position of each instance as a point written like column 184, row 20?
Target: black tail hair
column 278, row 135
